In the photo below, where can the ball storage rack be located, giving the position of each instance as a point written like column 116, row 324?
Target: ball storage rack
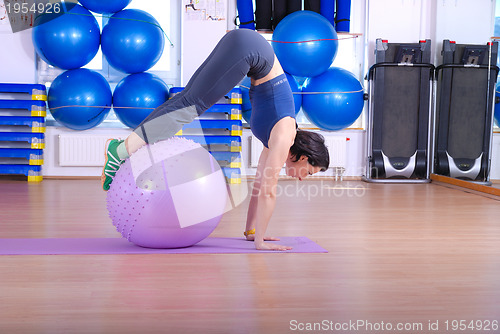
column 219, row 130
column 22, row 129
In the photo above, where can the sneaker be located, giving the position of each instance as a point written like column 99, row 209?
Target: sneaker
column 112, row 163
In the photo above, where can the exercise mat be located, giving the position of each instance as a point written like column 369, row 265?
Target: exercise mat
column 77, row 246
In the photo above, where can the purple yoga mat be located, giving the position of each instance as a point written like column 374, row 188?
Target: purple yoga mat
column 122, row 246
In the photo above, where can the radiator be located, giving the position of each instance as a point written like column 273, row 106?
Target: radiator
column 77, row 150
column 337, row 148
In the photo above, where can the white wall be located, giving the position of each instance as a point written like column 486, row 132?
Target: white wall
column 495, row 157
column 199, row 37
column 463, row 21
column 17, row 56
column 396, row 21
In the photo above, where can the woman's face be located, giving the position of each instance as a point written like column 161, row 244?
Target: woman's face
column 301, row 168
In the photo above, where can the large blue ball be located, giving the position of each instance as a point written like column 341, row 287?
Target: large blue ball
column 305, row 43
column 136, row 96
column 246, row 107
column 297, row 92
column 79, row 99
column 497, row 105
column 132, row 41
column 106, row 6
column 67, row 41
column 333, row 100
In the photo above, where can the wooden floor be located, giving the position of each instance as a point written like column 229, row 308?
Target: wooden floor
column 409, row 254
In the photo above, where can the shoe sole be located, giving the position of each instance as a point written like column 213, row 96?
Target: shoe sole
column 103, row 176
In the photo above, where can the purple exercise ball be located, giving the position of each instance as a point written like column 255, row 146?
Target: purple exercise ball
column 170, row 194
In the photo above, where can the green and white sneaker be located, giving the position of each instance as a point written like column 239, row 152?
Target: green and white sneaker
column 112, row 163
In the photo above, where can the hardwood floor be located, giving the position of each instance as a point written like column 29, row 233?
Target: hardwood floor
column 409, row 254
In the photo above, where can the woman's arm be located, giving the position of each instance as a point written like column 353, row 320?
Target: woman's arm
column 252, row 208
column 281, row 139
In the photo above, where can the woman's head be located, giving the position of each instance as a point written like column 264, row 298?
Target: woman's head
column 308, row 155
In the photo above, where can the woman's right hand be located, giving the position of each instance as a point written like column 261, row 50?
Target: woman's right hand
column 251, row 237
column 267, row 246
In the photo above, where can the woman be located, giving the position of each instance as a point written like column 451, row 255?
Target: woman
column 238, row 54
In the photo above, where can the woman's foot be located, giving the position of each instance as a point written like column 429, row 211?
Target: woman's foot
column 112, row 163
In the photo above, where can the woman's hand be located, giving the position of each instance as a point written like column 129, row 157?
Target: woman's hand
column 251, row 237
column 267, row 246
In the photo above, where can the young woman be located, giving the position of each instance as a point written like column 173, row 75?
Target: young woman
column 238, row 54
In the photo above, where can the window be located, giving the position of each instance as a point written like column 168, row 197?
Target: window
column 166, row 12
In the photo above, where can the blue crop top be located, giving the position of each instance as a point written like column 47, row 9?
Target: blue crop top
column 271, row 101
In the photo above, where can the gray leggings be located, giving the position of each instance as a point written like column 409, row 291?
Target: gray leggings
column 239, row 53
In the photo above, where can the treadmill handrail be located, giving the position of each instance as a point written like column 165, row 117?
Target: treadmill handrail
column 388, row 64
column 443, row 66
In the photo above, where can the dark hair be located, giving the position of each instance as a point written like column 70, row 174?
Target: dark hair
column 312, row 145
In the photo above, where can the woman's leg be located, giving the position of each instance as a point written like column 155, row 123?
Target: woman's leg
column 225, row 67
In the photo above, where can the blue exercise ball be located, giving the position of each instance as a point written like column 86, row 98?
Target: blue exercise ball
column 246, row 107
column 69, row 40
column 136, row 96
column 105, row 7
column 305, row 43
column 333, row 100
column 79, row 99
column 132, row 41
column 297, row 92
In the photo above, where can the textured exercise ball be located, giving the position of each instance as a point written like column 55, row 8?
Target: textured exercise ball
column 79, row 99
column 136, row 96
column 168, row 195
column 497, row 105
column 132, row 41
column 69, row 40
column 333, row 100
column 305, row 43
column 246, row 107
column 105, row 7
